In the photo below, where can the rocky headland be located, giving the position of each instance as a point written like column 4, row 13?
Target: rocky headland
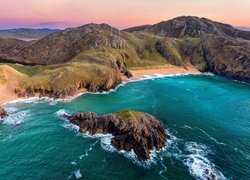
column 131, row 130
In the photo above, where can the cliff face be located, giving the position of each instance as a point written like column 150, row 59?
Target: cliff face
column 226, row 58
column 131, row 130
column 207, row 45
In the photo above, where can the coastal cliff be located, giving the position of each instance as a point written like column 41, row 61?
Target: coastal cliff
column 94, row 57
column 131, row 130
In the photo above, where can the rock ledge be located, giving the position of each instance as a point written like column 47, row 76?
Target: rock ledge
column 131, row 130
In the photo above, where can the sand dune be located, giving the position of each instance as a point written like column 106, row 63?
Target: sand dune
column 7, row 88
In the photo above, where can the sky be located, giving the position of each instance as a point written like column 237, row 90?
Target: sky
column 118, row 13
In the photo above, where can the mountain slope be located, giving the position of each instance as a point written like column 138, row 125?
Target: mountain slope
column 26, row 33
column 190, row 26
column 94, row 56
column 207, row 45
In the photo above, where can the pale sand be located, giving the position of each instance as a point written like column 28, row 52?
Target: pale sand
column 7, row 93
column 7, row 90
column 138, row 74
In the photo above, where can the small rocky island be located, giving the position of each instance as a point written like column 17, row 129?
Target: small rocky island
column 131, row 130
column 3, row 113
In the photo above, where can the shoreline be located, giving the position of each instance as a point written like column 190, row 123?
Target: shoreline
column 138, row 75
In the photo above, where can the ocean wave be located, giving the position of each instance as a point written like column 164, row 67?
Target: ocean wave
column 88, row 150
column 158, row 76
column 164, row 170
column 187, row 127
column 61, row 113
column 210, row 137
column 15, row 117
column 195, row 157
column 204, row 132
column 198, row 163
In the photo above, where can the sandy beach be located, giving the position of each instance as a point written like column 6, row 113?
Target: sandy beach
column 7, row 93
column 7, row 89
column 140, row 73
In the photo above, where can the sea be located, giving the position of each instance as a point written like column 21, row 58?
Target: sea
column 207, row 116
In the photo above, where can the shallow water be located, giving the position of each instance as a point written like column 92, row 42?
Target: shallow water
column 208, row 118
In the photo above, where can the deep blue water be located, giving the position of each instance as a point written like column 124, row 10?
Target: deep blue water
column 208, row 118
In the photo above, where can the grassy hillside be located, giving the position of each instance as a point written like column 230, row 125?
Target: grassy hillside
column 94, row 56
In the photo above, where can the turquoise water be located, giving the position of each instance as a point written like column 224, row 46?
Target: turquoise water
column 208, row 118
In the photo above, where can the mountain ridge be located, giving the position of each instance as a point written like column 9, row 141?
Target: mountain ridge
column 189, row 23
column 26, row 32
column 94, row 56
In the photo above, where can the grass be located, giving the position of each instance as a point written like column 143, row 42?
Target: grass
column 195, row 41
column 129, row 116
column 97, row 66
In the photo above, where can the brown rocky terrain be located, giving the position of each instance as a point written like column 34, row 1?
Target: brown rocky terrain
column 131, row 130
column 191, row 26
column 214, row 47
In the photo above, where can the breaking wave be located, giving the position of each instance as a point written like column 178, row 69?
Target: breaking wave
column 198, row 162
column 15, row 116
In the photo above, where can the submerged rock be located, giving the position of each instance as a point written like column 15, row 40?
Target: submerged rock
column 131, row 130
column 3, row 113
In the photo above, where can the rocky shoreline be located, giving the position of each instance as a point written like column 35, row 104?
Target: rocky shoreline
column 3, row 113
column 131, row 130
column 79, row 88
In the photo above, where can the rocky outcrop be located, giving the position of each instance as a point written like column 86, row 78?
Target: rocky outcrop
column 3, row 113
column 191, row 26
column 207, row 45
column 131, row 130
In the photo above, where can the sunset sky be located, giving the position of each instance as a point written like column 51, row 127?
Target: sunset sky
column 120, row 14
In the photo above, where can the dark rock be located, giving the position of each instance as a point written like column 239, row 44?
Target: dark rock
column 128, row 74
column 3, row 113
column 131, row 130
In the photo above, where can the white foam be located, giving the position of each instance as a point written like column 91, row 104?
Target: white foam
column 161, row 172
column 211, row 138
column 71, row 127
column 78, row 174
column 154, row 154
column 88, row 150
column 62, row 112
column 198, row 163
column 187, row 127
column 195, row 157
column 15, row 117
